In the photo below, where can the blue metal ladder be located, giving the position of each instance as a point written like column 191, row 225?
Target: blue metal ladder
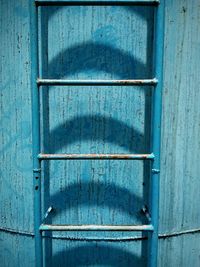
column 154, row 157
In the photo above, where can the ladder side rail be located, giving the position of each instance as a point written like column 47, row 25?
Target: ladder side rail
column 156, row 132
column 36, row 131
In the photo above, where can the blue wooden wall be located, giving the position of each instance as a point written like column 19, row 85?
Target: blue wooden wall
column 100, row 42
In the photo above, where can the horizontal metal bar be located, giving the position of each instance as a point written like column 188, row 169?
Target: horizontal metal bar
column 96, row 156
column 96, row 2
column 50, row 227
column 117, row 239
column 60, row 82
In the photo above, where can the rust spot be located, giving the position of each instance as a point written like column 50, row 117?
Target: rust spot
column 95, row 156
column 129, row 82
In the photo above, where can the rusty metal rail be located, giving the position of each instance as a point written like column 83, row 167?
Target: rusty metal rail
column 60, row 82
column 96, row 156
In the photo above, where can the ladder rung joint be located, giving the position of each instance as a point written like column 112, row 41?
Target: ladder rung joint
column 93, row 227
column 131, row 82
column 42, row 156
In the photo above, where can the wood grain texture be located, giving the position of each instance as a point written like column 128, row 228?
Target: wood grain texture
column 110, row 43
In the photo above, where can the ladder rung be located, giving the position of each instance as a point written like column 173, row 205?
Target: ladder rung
column 142, row 82
column 96, row 156
column 96, row 2
column 93, row 227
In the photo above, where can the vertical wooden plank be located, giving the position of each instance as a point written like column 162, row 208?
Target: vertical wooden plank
column 180, row 144
column 15, row 156
column 180, row 169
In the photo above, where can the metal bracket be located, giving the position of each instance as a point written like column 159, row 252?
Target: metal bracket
column 49, row 210
column 155, row 171
column 36, row 170
column 145, row 211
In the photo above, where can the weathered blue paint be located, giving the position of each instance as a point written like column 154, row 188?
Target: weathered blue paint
column 94, row 109
column 96, row 156
column 156, row 128
column 37, row 156
column 156, row 131
column 36, row 133
column 88, row 227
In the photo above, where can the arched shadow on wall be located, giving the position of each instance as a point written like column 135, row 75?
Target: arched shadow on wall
column 109, row 130
column 95, row 56
column 48, row 70
column 100, row 194
column 101, row 56
column 89, row 255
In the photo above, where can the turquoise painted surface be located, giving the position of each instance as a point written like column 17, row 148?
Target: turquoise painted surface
column 100, row 42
